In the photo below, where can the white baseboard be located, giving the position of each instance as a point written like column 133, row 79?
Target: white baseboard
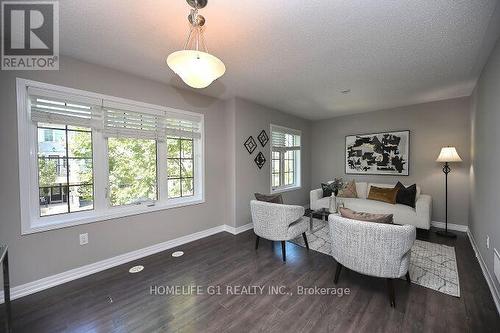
column 489, row 279
column 77, row 273
column 451, row 226
column 238, row 230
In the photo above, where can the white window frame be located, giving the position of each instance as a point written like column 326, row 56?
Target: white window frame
column 31, row 222
column 297, row 162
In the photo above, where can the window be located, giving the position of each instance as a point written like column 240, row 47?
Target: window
column 180, row 165
column 132, row 170
column 65, row 169
column 285, row 158
column 99, row 157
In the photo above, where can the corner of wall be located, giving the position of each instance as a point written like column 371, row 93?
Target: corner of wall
column 230, row 134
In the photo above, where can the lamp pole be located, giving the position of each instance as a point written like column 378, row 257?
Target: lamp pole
column 446, row 233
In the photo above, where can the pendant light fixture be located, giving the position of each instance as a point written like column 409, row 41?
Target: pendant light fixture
column 196, row 67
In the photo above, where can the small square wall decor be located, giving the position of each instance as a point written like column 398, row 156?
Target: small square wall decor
column 386, row 153
column 263, row 138
column 250, row 145
column 260, row 160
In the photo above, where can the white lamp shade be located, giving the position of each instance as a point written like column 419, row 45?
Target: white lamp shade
column 196, row 68
column 448, row 154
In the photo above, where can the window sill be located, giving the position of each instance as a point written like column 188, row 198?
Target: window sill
column 285, row 189
column 42, row 225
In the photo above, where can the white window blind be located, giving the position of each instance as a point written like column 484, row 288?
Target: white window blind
column 284, row 139
column 52, row 107
column 114, row 118
column 183, row 125
column 122, row 120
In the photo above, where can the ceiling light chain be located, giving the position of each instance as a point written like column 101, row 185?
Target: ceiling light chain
column 186, row 44
column 204, row 43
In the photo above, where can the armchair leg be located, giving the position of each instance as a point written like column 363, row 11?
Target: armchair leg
column 408, row 277
column 257, row 242
column 305, row 240
column 283, row 250
column 337, row 273
column 390, row 291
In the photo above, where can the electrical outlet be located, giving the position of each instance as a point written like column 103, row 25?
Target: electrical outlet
column 487, row 241
column 84, row 239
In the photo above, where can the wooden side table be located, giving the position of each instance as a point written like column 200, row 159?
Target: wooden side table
column 4, row 259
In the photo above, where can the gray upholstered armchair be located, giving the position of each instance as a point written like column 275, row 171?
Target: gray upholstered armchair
column 375, row 249
column 277, row 222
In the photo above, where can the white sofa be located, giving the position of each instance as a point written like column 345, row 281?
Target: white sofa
column 420, row 216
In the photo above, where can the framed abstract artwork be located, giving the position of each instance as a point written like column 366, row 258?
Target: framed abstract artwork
column 384, row 153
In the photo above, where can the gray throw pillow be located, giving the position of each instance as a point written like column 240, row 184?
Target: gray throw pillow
column 273, row 198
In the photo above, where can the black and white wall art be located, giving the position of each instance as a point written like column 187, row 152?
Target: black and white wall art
column 263, row 138
column 378, row 153
column 250, row 145
column 260, row 160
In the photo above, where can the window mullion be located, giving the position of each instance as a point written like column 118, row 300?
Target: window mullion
column 67, row 171
column 100, row 167
column 296, row 168
column 198, row 168
column 34, row 189
column 282, row 168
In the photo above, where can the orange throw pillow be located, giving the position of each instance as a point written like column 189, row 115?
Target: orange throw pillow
column 383, row 194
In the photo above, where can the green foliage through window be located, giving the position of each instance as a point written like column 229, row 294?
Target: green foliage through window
column 132, row 170
column 65, row 169
column 180, row 167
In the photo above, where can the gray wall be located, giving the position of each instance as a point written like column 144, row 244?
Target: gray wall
column 432, row 126
column 485, row 151
column 249, row 119
column 43, row 254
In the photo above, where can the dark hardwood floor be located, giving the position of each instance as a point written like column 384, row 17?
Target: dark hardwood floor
column 116, row 301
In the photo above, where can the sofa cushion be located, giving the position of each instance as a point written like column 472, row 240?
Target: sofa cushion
column 273, row 198
column 402, row 214
column 321, row 203
column 391, row 186
column 406, row 195
column 383, row 194
column 348, row 190
column 361, row 189
column 327, row 189
column 367, row 217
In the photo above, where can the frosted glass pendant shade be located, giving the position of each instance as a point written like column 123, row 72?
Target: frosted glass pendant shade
column 448, row 154
column 196, row 68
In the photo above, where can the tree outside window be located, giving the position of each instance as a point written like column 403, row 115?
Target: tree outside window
column 132, row 170
column 180, row 167
column 65, row 169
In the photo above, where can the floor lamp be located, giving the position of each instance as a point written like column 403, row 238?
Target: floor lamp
column 448, row 155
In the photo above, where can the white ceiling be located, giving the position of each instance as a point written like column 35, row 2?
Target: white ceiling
column 297, row 55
